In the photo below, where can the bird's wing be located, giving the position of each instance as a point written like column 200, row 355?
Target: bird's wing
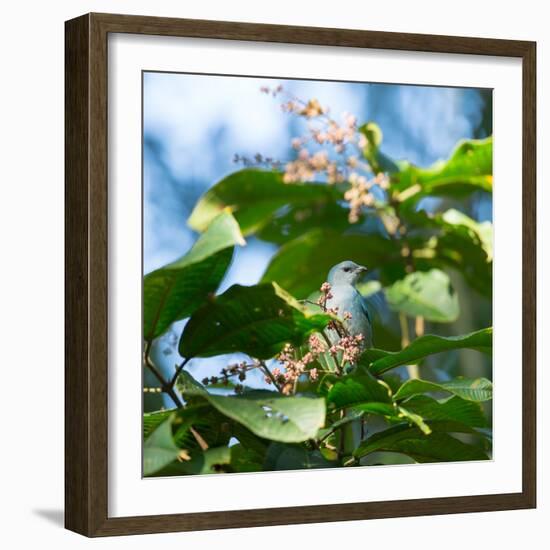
column 365, row 308
column 375, row 305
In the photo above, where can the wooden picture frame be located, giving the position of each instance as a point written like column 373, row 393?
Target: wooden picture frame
column 86, row 368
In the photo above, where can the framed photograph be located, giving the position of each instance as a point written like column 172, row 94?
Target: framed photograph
column 300, row 275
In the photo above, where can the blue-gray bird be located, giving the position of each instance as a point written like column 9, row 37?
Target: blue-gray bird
column 342, row 278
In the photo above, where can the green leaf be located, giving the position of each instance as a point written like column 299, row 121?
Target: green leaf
column 294, row 457
column 253, row 196
column 256, row 320
column 378, row 161
column 415, row 419
column 152, row 420
column 471, row 389
column 453, row 409
column 380, row 361
column 438, row 446
column 272, row 416
column 159, row 448
column 483, row 231
column 469, row 168
column 211, row 461
column 297, row 219
column 302, row 265
column 428, row 294
column 174, row 291
column 359, row 389
column 245, row 460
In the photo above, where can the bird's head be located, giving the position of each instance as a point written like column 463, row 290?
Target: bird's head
column 347, row 272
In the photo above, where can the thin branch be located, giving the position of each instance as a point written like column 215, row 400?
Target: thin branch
column 179, row 368
column 412, row 370
column 168, row 388
column 269, row 374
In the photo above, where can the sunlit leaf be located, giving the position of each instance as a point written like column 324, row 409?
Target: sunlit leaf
column 380, row 361
column 274, row 417
column 471, row 389
column 253, row 196
column 453, row 409
column 159, row 448
column 425, row 293
column 469, row 168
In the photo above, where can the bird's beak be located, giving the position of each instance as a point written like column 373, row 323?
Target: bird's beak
column 362, row 269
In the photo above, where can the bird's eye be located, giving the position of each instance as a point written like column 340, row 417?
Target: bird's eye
column 347, row 269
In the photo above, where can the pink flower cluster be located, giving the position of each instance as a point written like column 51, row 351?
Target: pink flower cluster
column 346, row 143
column 359, row 194
column 294, row 367
column 351, row 348
column 325, row 295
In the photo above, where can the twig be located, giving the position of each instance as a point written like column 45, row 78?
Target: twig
column 168, row 388
column 419, row 326
column 179, row 368
column 412, row 370
column 269, row 374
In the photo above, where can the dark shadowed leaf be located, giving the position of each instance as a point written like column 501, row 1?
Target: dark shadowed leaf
column 452, row 409
column 360, row 389
column 293, row 457
column 174, row 291
column 438, row 446
column 381, row 361
column 257, row 320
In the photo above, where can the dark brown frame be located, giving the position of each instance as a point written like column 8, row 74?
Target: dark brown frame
column 86, row 273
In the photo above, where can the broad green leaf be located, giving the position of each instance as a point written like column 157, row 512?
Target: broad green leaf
column 246, row 460
column 292, row 222
column 272, row 416
column 428, row 294
column 152, row 420
column 294, row 457
column 301, row 266
column 159, row 448
column 471, row 389
column 174, row 291
column 357, row 389
column 256, row 320
column 452, row 409
column 211, row 461
column 381, row 361
column 253, row 196
column 469, row 168
column 437, row 446
column 377, row 160
column 483, row 230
